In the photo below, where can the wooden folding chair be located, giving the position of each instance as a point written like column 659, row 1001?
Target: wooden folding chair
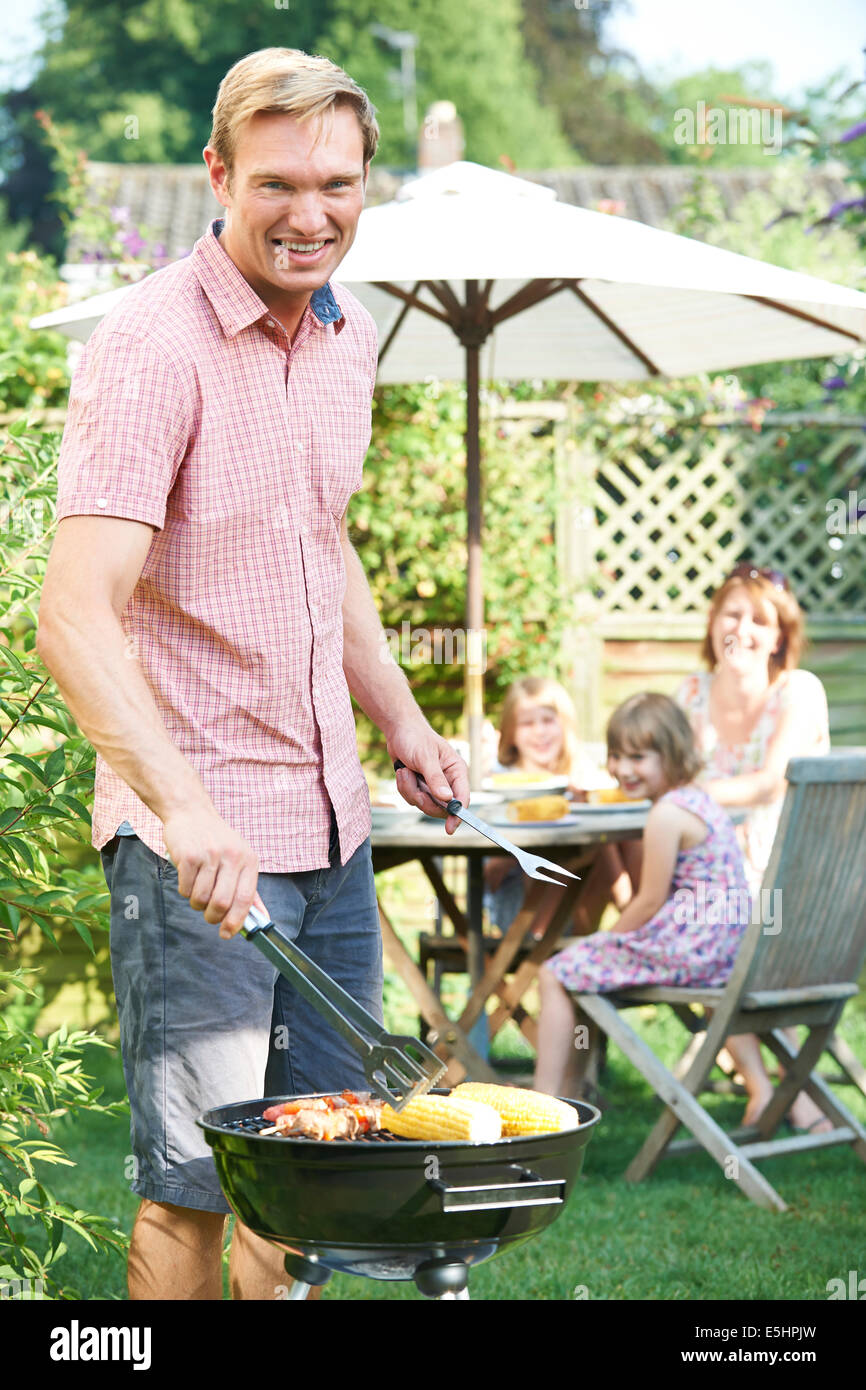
column 800, row 969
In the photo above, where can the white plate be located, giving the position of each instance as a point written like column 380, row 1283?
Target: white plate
column 499, row 815
column 391, row 817
column 390, row 797
column 526, row 790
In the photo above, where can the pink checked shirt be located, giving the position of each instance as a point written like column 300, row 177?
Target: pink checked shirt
column 190, row 410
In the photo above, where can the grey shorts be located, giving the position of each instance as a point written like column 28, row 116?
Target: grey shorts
column 204, row 1022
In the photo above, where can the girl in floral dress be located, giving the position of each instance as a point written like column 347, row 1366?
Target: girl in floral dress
column 686, row 921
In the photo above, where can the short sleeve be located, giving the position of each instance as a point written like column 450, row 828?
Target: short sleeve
column 805, row 694
column 128, row 428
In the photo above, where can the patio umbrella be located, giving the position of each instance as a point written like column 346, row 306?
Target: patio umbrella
column 474, row 274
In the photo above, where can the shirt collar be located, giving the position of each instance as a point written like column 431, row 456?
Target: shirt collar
column 235, row 301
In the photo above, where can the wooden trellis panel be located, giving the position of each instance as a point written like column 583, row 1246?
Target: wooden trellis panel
column 655, row 526
column 672, row 524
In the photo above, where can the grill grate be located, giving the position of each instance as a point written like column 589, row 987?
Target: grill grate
column 254, row 1124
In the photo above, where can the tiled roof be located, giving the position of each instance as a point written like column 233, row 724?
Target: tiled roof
column 173, row 203
column 652, row 193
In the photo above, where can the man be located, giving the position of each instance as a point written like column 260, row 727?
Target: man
column 206, row 619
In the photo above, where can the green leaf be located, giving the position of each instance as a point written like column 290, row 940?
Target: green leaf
column 75, row 805
column 12, row 660
column 29, row 763
column 55, row 764
column 84, row 933
column 45, row 927
column 21, row 847
column 49, row 897
column 44, row 723
column 89, row 900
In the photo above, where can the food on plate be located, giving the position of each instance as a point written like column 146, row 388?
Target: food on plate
column 521, row 1111
column 605, row 796
column 443, row 1117
column 539, row 808
column 326, row 1117
column 515, row 779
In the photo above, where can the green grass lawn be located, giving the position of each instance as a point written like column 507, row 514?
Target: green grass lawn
column 686, row 1233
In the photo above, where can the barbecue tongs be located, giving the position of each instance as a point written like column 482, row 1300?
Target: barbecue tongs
column 408, row 1064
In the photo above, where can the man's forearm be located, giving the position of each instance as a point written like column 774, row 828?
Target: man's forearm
column 107, row 695
column 373, row 677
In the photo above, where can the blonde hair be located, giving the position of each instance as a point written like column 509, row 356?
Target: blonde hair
column 761, row 589
column 652, row 722
column 537, row 690
column 287, row 80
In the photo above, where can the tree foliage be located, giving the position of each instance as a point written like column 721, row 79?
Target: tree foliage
column 607, row 109
column 46, row 778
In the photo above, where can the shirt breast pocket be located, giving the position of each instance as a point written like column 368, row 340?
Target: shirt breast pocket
column 343, row 447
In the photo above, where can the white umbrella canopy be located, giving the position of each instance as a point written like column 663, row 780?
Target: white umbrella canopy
column 477, row 275
column 621, row 300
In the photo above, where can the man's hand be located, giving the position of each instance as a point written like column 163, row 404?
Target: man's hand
column 216, row 868
column 441, row 766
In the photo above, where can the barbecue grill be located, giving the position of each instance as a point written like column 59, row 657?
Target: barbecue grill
column 390, row 1208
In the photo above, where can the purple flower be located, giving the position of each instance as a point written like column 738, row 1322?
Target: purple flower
column 800, row 466
column 159, row 251
column 834, row 383
column 838, row 208
column 120, row 215
column 853, row 134
column 132, row 242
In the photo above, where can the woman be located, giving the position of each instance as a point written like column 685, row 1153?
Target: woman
column 752, row 711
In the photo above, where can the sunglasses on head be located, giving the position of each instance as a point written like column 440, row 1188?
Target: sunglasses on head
column 749, row 571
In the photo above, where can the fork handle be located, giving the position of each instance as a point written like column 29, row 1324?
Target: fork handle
column 452, row 807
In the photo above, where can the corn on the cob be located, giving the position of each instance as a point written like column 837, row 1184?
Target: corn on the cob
column 443, row 1117
column 523, row 1112
column 606, row 796
column 539, row 808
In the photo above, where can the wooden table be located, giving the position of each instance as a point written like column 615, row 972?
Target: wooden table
column 575, row 844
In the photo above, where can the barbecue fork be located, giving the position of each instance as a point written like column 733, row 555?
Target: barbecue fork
column 531, row 864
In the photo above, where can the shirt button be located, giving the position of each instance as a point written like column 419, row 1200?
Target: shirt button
column 102, row 501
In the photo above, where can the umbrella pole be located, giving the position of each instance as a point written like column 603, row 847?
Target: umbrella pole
column 474, row 679
column 474, row 647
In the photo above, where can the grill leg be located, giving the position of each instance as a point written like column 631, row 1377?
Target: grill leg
column 442, row 1278
column 307, row 1274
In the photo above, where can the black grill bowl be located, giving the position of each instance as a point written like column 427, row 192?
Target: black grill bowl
column 381, row 1208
